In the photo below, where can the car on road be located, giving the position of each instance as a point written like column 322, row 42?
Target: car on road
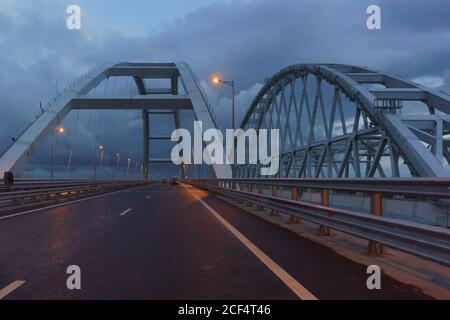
column 174, row 181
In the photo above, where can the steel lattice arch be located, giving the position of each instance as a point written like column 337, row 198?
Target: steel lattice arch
column 346, row 121
column 334, row 120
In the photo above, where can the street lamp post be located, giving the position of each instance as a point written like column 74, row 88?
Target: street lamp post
column 128, row 168
column 59, row 130
column 230, row 83
column 118, row 159
column 100, row 149
column 135, row 169
column 101, row 155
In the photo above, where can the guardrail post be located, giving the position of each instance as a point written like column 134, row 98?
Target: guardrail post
column 17, row 201
column 260, row 191
column 324, row 230
column 241, row 188
column 376, row 204
column 234, row 187
column 274, row 194
column 56, row 197
column 295, row 196
column 376, row 207
column 249, row 189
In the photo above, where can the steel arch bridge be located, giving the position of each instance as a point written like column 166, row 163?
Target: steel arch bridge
column 334, row 120
column 345, row 121
column 150, row 100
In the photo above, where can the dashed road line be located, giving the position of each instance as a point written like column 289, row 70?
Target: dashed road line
column 63, row 204
column 149, row 196
column 125, row 212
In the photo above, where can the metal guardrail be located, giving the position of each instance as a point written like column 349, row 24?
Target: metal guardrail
column 29, row 184
column 415, row 187
column 425, row 241
column 35, row 191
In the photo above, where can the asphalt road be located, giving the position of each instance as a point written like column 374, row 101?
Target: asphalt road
column 161, row 242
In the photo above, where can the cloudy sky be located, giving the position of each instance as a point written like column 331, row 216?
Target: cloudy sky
column 245, row 40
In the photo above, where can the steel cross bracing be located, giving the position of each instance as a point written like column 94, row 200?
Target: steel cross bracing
column 347, row 121
column 78, row 95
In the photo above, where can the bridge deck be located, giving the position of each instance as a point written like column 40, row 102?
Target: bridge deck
column 170, row 246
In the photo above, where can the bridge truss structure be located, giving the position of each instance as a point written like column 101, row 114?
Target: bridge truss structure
column 339, row 121
column 335, row 121
column 152, row 101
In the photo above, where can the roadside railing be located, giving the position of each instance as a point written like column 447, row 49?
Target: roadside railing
column 34, row 192
column 430, row 242
column 35, row 184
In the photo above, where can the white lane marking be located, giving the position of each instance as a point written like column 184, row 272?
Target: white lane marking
column 64, row 204
column 288, row 280
column 149, row 196
column 125, row 212
column 58, row 205
column 10, row 288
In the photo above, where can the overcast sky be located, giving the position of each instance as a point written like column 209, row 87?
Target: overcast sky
column 244, row 40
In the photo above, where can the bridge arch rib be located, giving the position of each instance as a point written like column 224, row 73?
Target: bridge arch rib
column 346, row 121
column 75, row 97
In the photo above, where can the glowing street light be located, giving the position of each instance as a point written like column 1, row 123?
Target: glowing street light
column 100, row 148
column 118, row 159
column 218, row 80
column 59, row 130
column 128, row 168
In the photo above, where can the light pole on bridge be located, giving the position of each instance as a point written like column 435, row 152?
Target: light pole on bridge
column 114, row 170
column 128, row 167
column 59, row 130
column 100, row 148
column 230, row 83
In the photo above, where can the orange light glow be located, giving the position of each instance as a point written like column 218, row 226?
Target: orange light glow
column 216, row 79
column 61, row 130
